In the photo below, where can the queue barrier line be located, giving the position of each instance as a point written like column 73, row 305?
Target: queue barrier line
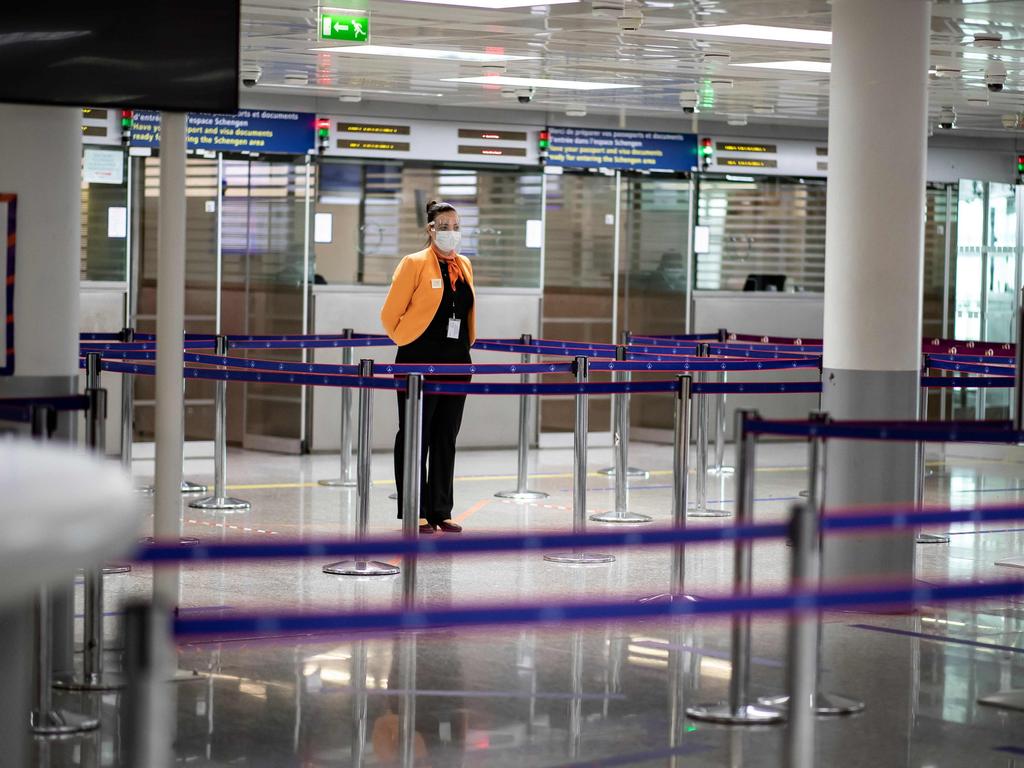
column 900, row 431
column 953, row 365
column 556, row 613
column 888, row 519
column 969, row 382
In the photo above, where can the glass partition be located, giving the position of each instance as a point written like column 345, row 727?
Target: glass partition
column 104, row 213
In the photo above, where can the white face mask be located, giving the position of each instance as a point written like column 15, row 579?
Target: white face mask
column 447, row 240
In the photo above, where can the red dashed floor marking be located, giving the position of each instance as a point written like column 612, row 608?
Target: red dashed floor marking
column 242, row 528
column 555, row 506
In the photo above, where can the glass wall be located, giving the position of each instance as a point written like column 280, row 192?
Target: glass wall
column 104, row 217
column 377, row 215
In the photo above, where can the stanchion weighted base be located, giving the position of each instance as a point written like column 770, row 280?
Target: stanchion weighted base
column 643, row 474
column 393, row 496
column 580, row 558
column 705, row 512
column 932, row 538
column 190, row 487
column 60, row 722
column 361, row 568
column 668, row 597
column 720, row 471
column 183, row 541
column 746, row 714
column 521, row 495
column 828, row 704
column 1010, row 699
column 109, row 570
column 108, row 681
column 621, row 517
column 337, row 482
column 802, row 494
column 221, row 503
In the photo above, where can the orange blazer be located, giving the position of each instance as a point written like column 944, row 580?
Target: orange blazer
column 415, row 295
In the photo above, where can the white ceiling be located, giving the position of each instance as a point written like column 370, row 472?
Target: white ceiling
column 581, row 41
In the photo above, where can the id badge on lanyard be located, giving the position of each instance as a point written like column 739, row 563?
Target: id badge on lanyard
column 454, row 324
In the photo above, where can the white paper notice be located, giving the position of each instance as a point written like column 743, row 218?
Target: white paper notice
column 103, row 166
column 117, row 221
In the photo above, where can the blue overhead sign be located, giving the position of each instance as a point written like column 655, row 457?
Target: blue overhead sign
column 255, row 130
column 625, row 150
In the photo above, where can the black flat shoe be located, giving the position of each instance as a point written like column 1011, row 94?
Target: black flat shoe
column 427, row 528
column 447, row 526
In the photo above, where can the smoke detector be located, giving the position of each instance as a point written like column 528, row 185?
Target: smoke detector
column 987, row 39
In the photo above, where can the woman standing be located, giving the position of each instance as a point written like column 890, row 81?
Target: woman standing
column 429, row 314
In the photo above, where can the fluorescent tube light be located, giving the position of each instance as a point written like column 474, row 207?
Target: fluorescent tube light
column 762, row 32
column 494, row 5
column 537, row 82
column 794, row 65
column 422, row 53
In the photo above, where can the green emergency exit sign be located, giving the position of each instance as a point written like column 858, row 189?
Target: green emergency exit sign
column 351, row 28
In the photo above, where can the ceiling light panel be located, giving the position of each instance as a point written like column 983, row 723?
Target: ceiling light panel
column 534, row 82
column 762, row 33
column 493, row 5
column 423, row 53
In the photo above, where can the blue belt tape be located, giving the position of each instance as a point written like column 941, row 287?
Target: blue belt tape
column 557, row 613
column 967, row 382
column 20, row 408
column 951, row 364
column 912, row 431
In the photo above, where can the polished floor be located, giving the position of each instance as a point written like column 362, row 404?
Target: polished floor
column 598, row 695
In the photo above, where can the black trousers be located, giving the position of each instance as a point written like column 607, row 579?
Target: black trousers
column 442, row 418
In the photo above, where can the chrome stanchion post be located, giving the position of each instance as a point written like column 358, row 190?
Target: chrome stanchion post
column 411, row 481
column 579, row 478
column 407, row 702
column 738, row 710
column 345, row 479
column 128, row 416
column 93, row 677
column 363, row 457
column 620, row 444
column 719, row 467
column 623, row 427
column 1018, row 370
column 147, row 700
column 187, row 486
column 44, row 720
column 702, row 417
column 680, row 473
column 922, row 537
column 220, row 501
column 522, row 492
column 825, row 703
column 802, row 663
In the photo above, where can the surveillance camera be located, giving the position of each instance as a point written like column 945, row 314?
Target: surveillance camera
column 947, row 118
column 688, row 101
column 995, row 76
column 524, row 95
column 251, row 74
column 630, row 20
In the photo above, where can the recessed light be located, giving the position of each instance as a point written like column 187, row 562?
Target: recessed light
column 794, row 65
column 538, row 82
column 421, row 53
column 493, row 5
column 761, row 32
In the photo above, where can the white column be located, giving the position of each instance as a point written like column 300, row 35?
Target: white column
column 170, row 328
column 878, row 111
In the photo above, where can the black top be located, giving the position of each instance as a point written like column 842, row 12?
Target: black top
column 433, row 345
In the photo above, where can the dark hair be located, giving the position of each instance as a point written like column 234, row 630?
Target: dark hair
column 436, row 208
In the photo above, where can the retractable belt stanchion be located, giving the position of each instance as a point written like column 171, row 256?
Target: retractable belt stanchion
column 824, row 703
column 128, row 416
column 363, row 457
column 680, row 472
column 623, row 376
column 620, row 444
column 739, row 710
column 522, row 492
column 220, row 501
column 579, row 477
column 719, row 467
column 44, row 719
column 922, row 537
column 702, row 416
column 411, row 468
column 345, row 479
column 93, row 676
column 187, row 486
column 802, row 664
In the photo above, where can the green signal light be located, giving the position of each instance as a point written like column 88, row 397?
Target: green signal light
column 543, row 144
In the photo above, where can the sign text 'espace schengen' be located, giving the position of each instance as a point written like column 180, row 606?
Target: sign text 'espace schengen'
column 246, row 131
column 626, row 150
